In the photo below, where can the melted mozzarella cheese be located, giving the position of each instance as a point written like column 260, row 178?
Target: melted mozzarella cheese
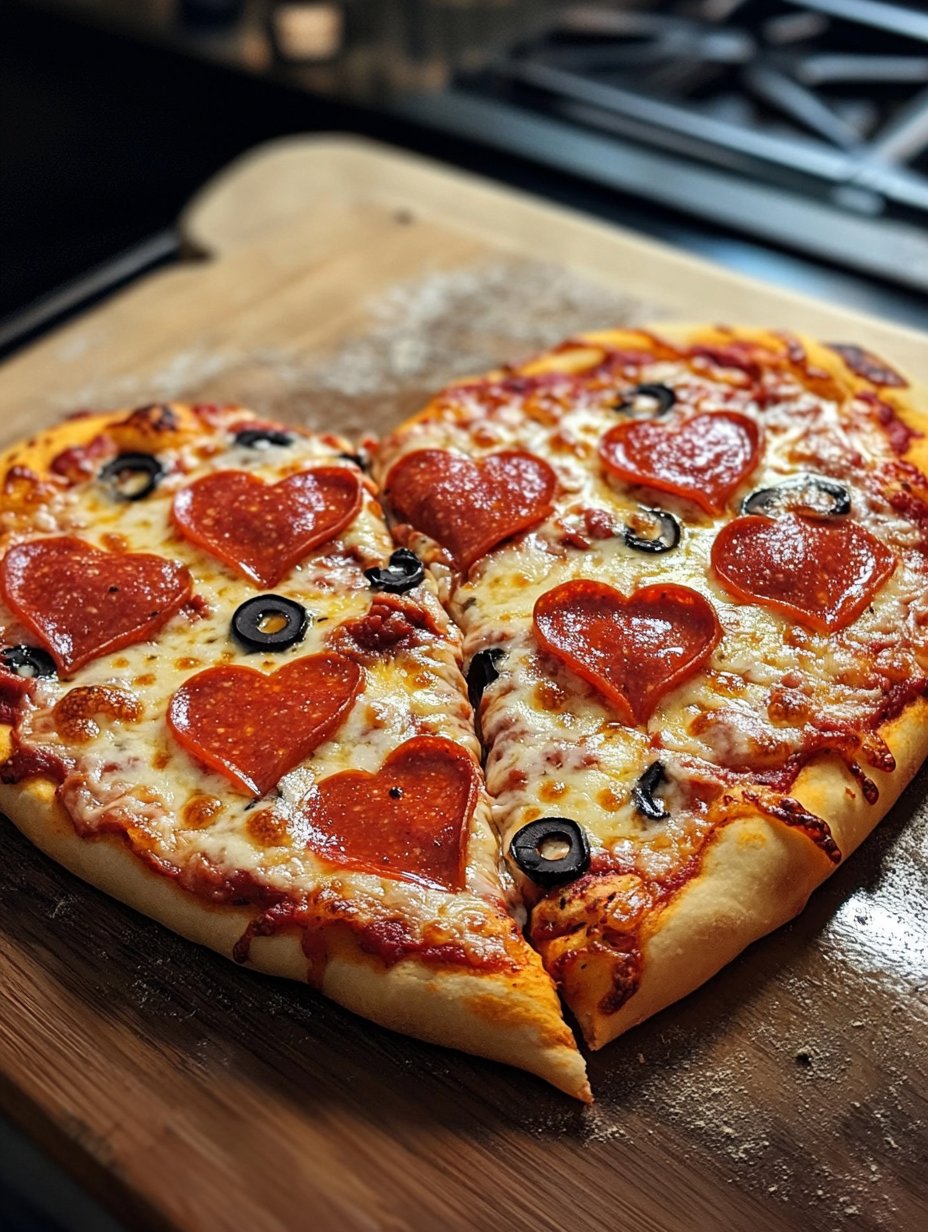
column 556, row 746
column 135, row 776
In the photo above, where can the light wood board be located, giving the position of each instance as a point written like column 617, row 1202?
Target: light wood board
column 337, row 282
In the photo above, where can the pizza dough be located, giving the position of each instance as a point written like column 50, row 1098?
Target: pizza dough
column 687, row 576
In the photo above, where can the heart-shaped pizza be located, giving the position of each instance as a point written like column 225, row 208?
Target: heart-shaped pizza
column 686, row 574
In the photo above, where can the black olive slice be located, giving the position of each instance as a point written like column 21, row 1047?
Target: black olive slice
column 359, row 460
column 132, row 476
column 665, row 539
column 644, row 790
column 551, row 850
column 269, row 622
column 27, row 661
column 251, row 437
column 483, row 671
column 653, row 399
column 403, row 573
column 803, row 494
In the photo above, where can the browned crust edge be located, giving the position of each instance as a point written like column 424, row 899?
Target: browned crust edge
column 755, row 875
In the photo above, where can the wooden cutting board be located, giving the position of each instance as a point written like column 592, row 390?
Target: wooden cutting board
column 335, row 282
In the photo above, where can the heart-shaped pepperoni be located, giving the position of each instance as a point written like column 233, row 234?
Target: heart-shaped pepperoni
column 262, row 530
column 821, row 572
column 703, row 458
column 632, row 650
column 82, row 603
column 254, row 728
column 408, row 820
column 469, row 507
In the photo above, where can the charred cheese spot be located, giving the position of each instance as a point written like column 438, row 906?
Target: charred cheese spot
column 267, row 829
column 77, row 712
column 551, row 790
column 23, row 488
column 609, row 799
column 374, row 717
column 201, row 811
column 548, row 696
column 486, row 437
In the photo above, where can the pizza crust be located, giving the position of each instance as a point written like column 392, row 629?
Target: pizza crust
column 511, row 1017
column 756, row 875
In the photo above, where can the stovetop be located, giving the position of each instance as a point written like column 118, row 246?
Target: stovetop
column 803, row 122
column 785, row 139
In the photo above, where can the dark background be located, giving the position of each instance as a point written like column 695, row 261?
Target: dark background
column 103, row 139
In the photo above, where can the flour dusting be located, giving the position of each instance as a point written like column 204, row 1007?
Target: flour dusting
column 417, row 336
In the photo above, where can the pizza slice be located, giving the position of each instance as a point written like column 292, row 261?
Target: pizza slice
column 691, row 571
column 226, row 700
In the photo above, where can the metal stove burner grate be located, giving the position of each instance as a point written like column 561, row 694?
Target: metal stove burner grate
column 825, row 99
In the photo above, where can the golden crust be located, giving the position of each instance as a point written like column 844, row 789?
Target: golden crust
column 756, row 872
column 510, row 1016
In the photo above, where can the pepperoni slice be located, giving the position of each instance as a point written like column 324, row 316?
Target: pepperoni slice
column 407, row 821
column 822, row 573
column 703, row 458
column 82, row 603
column 632, row 650
column 254, row 728
column 262, row 530
column 469, row 507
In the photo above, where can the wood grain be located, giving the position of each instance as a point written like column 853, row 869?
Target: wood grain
column 337, row 283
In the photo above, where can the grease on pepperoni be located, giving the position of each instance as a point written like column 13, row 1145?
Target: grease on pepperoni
column 632, row 650
column 254, row 728
column 263, row 530
column 702, row 458
column 408, row 821
column 820, row 572
column 471, row 506
column 82, row 603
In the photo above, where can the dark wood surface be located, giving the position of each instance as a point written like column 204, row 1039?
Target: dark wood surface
column 790, row 1093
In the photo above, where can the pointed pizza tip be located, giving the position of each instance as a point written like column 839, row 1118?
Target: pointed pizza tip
column 584, row 1093
column 512, row 1015
column 564, row 1067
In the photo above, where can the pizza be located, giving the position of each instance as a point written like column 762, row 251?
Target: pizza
column 233, row 704
column 692, row 583
column 575, row 684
